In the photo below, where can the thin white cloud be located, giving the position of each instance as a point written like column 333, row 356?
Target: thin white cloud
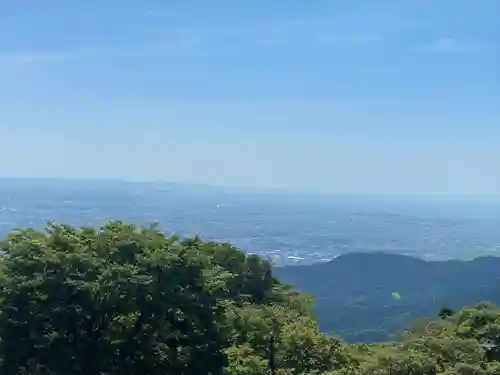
column 30, row 58
column 351, row 38
column 286, row 32
column 272, row 42
column 322, row 39
column 165, row 47
column 452, row 45
column 202, row 39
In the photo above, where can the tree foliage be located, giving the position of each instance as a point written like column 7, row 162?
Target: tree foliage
column 128, row 300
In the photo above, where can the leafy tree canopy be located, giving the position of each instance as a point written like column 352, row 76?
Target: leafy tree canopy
column 123, row 299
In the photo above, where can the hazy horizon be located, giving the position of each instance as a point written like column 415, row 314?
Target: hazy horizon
column 97, row 182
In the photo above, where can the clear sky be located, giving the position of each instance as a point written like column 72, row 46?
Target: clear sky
column 399, row 96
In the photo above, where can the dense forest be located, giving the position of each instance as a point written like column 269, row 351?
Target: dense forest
column 372, row 297
column 128, row 300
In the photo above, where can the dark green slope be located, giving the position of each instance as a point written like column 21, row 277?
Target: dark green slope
column 368, row 297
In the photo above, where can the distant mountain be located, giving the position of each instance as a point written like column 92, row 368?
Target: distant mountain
column 369, row 297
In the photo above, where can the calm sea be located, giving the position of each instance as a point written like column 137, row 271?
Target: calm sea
column 287, row 228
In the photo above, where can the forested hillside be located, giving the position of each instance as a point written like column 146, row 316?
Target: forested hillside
column 370, row 297
column 129, row 300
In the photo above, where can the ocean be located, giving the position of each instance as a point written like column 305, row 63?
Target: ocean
column 285, row 227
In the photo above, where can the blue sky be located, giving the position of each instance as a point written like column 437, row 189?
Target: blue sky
column 342, row 96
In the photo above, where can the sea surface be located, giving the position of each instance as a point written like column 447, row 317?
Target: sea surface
column 285, row 227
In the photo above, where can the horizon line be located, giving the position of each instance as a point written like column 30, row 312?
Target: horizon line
column 292, row 190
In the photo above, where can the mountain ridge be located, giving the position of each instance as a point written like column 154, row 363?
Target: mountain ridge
column 369, row 297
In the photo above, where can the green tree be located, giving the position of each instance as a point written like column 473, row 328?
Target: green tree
column 445, row 312
column 128, row 300
column 440, row 341
column 303, row 348
column 119, row 300
column 243, row 361
column 398, row 362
